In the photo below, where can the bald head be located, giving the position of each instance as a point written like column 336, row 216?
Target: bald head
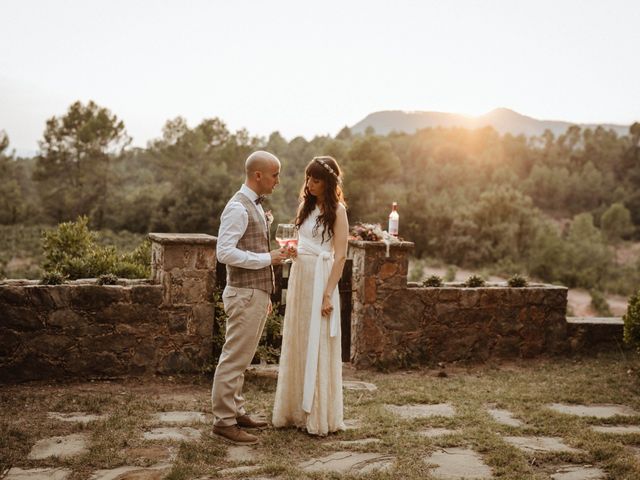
column 262, row 172
column 259, row 162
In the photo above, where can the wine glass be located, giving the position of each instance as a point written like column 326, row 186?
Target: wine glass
column 286, row 236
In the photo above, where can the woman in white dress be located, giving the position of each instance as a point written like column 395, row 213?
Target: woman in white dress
column 309, row 391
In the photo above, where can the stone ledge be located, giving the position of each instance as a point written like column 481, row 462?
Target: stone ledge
column 595, row 320
column 381, row 245
column 183, row 238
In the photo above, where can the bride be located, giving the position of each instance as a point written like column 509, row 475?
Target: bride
column 309, row 391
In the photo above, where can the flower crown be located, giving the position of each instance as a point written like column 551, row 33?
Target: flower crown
column 328, row 169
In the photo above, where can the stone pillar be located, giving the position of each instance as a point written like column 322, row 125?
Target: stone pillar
column 185, row 265
column 375, row 276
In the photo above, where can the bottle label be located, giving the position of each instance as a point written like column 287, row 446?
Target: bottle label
column 393, row 226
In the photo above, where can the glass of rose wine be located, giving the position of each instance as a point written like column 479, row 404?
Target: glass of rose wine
column 287, row 236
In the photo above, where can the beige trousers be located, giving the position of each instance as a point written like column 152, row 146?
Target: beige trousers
column 246, row 310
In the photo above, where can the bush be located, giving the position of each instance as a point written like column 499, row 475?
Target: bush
column 632, row 322
column 474, row 281
column 72, row 250
column 53, row 278
column 107, row 279
column 600, row 304
column 433, row 281
column 517, row 281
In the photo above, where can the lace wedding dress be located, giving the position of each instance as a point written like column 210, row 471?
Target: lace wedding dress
column 309, row 391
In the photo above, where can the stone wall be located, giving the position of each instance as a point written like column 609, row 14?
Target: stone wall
column 163, row 325
column 395, row 324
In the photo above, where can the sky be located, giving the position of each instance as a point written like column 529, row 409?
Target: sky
column 310, row 68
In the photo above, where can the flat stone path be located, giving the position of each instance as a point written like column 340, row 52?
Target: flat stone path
column 76, row 417
column 241, row 453
column 355, row 385
column 574, row 472
column 352, row 424
column 618, row 430
column 61, row 447
column 38, row 474
column 180, row 434
column 458, row 463
column 540, row 444
column 179, row 418
column 156, row 472
column 349, row 463
column 436, row 432
column 599, row 411
column 504, row 417
column 422, row 410
column 347, row 443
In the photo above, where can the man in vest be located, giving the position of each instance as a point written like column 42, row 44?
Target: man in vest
column 243, row 245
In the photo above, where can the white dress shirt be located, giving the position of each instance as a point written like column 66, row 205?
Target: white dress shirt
column 233, row 224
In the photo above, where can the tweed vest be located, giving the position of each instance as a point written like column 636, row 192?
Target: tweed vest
column 255, row 239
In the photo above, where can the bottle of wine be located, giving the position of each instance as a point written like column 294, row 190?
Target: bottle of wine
column 394, row 220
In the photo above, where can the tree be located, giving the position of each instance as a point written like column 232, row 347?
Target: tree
column 10, row 193
column 73, row 169
column 616, row 222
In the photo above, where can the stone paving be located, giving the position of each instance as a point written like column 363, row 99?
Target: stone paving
column 457, row 463
column 445, row 463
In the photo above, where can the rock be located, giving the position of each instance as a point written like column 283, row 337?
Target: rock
column 180, row 418
column 504, row 417
column 354, row 385
column 38, row 474
column 617, row 430
column 61, row 447
column 540, row 444
column 458, row 463
column 157, row 472
column 436, row 432
column 241, row 453
column 422, row 410
column 573, row 472
column 350, row 463
column 347, row 443
column 182, row 434
column 598, row 411
column 76, row 417
column 352, row 424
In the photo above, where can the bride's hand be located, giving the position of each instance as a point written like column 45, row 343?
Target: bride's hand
column 327, row 306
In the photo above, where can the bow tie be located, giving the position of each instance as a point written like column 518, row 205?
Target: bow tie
column 260, row 199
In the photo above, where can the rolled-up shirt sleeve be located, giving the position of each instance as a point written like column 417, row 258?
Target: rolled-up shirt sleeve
column 233, row 224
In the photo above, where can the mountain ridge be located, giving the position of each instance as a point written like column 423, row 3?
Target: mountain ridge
column 503, row 120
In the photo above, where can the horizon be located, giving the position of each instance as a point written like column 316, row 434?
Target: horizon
column 274, row 67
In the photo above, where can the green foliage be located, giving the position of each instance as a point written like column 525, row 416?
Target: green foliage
column 450, row 274
column 72, row 250
column 616, row 222
column 107, row 279
column 474, row 281
column 517, row 281
column 600, row 304
column 632, row 321
column 433, row 281
column 416, row 269
column 53, row 278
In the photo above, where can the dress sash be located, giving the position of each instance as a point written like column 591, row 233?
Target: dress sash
column 324, row 262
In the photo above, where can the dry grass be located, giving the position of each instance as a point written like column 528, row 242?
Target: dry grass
column 523, row 387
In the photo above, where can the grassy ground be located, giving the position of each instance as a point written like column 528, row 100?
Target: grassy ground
column 522, row 387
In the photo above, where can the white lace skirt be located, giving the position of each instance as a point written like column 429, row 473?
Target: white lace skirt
column 327, row 410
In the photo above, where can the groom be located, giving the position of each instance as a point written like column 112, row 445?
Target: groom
column 243, row 245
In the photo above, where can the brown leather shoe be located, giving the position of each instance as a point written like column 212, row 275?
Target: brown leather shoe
column 245, row 421
column 233, row 434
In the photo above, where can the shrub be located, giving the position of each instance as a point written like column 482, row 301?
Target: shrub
column 600, row 304
column 107, row 279
column 474, row 281
column 53, row 278
column 433, row 281
column 517, row 281
column 72, row 250
column 632, row 322
column 450, row 275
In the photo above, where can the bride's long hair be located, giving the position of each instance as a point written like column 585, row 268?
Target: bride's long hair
column 322, row 168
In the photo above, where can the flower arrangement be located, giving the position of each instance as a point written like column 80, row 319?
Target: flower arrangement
column 369, row 232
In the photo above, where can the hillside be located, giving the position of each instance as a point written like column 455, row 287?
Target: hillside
column 502, row 119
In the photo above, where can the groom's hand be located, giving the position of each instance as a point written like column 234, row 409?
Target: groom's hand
column 278, row 256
